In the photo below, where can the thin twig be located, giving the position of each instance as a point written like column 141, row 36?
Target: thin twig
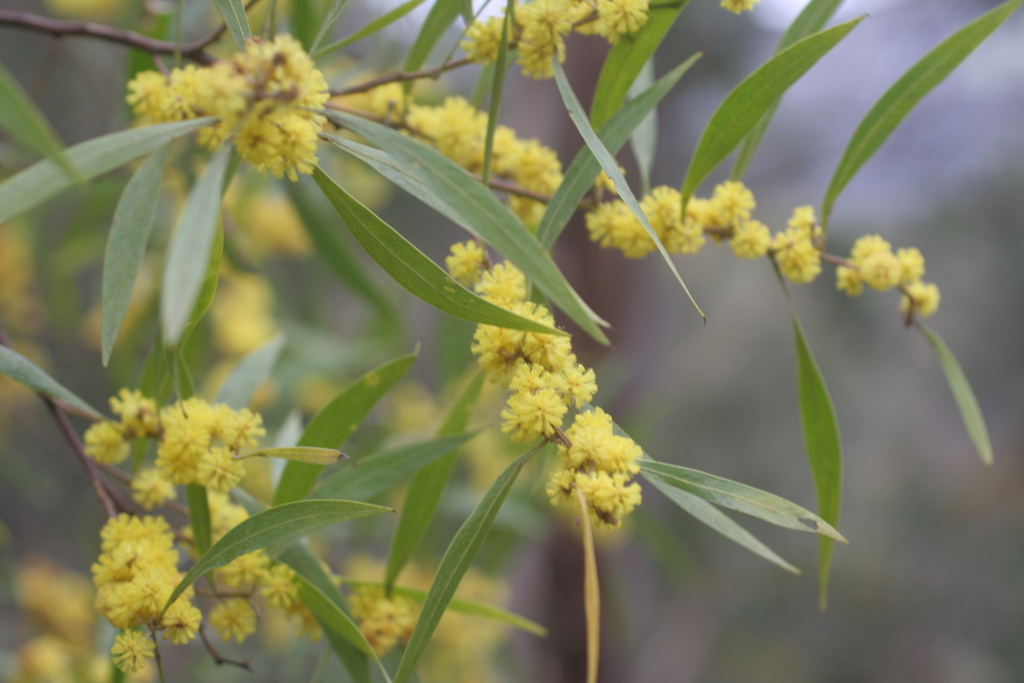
column 217, row 657
column 126, row 479
column 401, row 76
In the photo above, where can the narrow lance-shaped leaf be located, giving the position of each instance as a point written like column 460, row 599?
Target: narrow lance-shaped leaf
column 250, row 373
column 26, row 124
column 611, row 168
column 627, row 58
column 199, row 516
column 496, row 90
column 824, row 447
column 477, row 209
column 332, row 426
column 272, row 526
column 335, row 10
column 456, row 561
column 740, row 497
column 303, row 23
column 584, row 169
column 751, row 99
column 378, row 472
column 812, row 18
column 970, row 411
column 46, row 179
column 235, row 20
column 126, row 245
column 189, row 252
column 591, row 591
column 371, row 28
column 904, row 95
column 424, row 492
column 24, row 371
column 314, row 456
column 644, row 140
column 441, row 16
column 412, row 269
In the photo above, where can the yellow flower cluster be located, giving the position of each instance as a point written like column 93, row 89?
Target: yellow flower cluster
column 198, row 443
column 545, row 380
column 541, row 27
column 384, row 621
column 873, row 262
column 263, row 96
column 738, row 6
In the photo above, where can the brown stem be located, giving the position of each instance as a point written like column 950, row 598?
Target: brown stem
column 400, row 76
column 126, row 478
column 217, row 657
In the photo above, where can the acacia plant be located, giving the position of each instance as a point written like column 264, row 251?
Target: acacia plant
column 216, row 120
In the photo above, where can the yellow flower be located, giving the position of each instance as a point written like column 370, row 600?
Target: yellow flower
column 383, row 621
column 664, row 210
column 138, row 414
column 483, row 38
column 849, row 280
column 542, row 25
column 738, row 6
column 131, row 650
column 233, row 618
column 105, row 443
column 245, row 570
column 529, row 415
column 218, row 470
column 579, row 385
column 612, row 224
column 181, row 621
column 798, row 259
column 866, row 246
column 733, row 201
column 619, row 17
column 925, row 298
column 911, row 265
column 278, row 586
column 881, row 270
column 151, row 489
column 466, row 262
column 804, row 220
column 150, row 97
column 610, row 497
column 751, row 239
column 504, row 285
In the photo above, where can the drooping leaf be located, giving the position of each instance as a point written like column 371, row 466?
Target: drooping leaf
column 478, row 210
column 335, row 10
column 126, row 245
column 271, row 526
column 751, row 99
column 332, row 426
column 812, row 18
column 250, row 373
column 412, row 269
column 26, row 124
column 740, row 497
column 970, row 411
column 441, row 16
column 313, row 456
column 378, row 472
column 591, row 591
column 824, row 447
column 611, row 167
column 234, row 18
column 188, row 256
column 303, row 22
column 45, row 179
column 456, row 561
column 904, row 95
column 24, row 371
column 644, row 140
column 424, row 492
column 496, row 89
column 371, row 28
column 584, row 169
column 627, row 58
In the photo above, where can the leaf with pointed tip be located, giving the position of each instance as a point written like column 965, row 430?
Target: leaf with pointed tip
column 611, row 168
column 371, row 28
column 456, row 561
column 24, row 371
column 250, row 373
column 336, row 421
column 20, row 117
column 644, row 140
column 411, row 268
column 750, row 100
column 970, row 411
column 584, row 169
column 337, row 7
column 235, row 20
column 272, row 526
column 441, row 16
column 45, row 179
column 440, row 182
column 627, row 58
column 126, row 245
column 188, row 256
column 904, row 95
column 424, row 492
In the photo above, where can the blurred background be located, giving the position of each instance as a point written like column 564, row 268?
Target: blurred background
column 933, row 588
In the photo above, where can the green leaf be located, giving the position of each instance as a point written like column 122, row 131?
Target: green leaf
column 26, row 124
column 751, row 99
column 625, row 61
column 303, row 22
column 272, row 526
column 331, row 245
column 824, row 447
column 235, row 19
column 337, row 7
column 496, row 89
column 373, row 474
column 441, row 16
column 740, row 497
column 371, row 28
column 467, row 11
column 188, row 256
column 332, row 426
column 208, row 289
column 584, row 169
column 424, row 492
column 199, row 518
column 644, row 140
column 314, row 456
column 456, row 561
column 476, row 208
column 484, row 81
column 409, row 267
column 611, row 168
column 471, row 607
column 24, row 371
column 250, row 373
column 970, row 411
column 591, row 591
column 904, row 95
column 46, row 179
column 813, row 18
column 126, row 245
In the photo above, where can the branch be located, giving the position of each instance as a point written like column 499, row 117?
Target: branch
column 217, row 658
column 400, row 76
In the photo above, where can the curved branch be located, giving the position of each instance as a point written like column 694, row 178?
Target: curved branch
column 400, row 76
